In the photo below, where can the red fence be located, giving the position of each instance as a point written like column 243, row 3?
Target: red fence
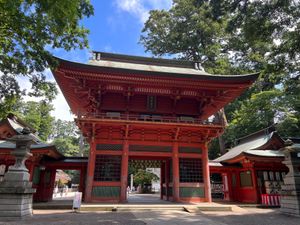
column 270, row 199
column 150, row 118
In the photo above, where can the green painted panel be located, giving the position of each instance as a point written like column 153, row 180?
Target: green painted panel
column 187, row 192
column 36, row 175
column 112, row 147
column 106, row 191
column 184, row 149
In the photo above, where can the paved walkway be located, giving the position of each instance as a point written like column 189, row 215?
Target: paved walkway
column 242, row 217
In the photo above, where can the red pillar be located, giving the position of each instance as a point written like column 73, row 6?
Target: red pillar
column 175, row 167
column 51, row 184
column 162, row 178
column 82, row 178
column 167, row 178
column 225, row 181
column 206, row 174
column 90, row 172
column 124, row 173
column 31, row 170
column 255, row 186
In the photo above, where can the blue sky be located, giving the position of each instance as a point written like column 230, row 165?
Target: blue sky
column 115, row 27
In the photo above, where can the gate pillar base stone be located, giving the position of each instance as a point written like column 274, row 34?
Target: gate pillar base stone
column 15, row 200
column 16, row 190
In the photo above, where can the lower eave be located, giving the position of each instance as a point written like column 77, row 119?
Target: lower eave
column 253, row 158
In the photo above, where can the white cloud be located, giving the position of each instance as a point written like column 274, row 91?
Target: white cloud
column 141, row 8
column 76, row 55
column 61, row 107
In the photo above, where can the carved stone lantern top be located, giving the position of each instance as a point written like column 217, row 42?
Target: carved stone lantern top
column 19, row 172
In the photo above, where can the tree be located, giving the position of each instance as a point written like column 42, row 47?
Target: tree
column 29, row 30
column 238, row 36
column 68, row 138
column 37, row 115
column 265, row 36
column 68, row 146
column 63, row 129
column 191, row 30
column 143, row 177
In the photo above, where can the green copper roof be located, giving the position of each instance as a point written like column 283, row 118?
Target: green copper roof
column 255, row 144
column 9, row 145
column 265, row 153
column 112, row 63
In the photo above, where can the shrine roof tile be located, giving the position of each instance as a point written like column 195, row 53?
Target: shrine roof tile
column 265, row 153
column 9, row 145
column 252, row 145
column 108, row 62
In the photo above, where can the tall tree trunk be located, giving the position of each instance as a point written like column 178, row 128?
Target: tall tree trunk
column 222, row 118
column 81, row 145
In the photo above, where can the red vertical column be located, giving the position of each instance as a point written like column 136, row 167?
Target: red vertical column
column 175, row 167
column 206, row 174
column 31, row 170
column 82, row 178
column 255, row 186
column 90, row 172
column 124, row 172
column 167, row 178
column 52, row 183
column 225, row 182
column 162, row 178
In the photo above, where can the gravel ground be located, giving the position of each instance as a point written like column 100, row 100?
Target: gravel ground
column 251, row 216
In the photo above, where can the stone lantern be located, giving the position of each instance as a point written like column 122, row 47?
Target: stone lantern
column 290, row 199
column 15, row 190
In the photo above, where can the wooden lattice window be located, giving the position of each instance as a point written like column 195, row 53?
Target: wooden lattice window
column 190, row 170
column 111, row 147
column 150, row 148
column 107, row 168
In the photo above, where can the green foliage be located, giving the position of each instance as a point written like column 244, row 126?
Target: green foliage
column 29, row 30
column 235, row 37
column 29, row 26
column 68, row 146
column 63, row 129
column 66, row 137
column 37, row 115
column 142, row 177
column 191, row 30
column 214, row 149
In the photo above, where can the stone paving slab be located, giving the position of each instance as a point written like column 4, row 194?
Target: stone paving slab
column 247, row 216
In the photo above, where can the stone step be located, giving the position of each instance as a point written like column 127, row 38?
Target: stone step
column 127, row 208
column 214, row 208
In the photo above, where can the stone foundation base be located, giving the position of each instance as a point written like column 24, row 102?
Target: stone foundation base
column 15, row 202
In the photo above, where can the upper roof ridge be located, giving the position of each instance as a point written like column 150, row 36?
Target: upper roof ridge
column 97, row 56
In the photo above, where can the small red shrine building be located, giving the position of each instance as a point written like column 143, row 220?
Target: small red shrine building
column 136, row 108
column 40, row 177
column 253, row 168
column 43, row 163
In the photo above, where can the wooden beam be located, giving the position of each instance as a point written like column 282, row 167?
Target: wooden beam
column 126, row 131
column 177, row 133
